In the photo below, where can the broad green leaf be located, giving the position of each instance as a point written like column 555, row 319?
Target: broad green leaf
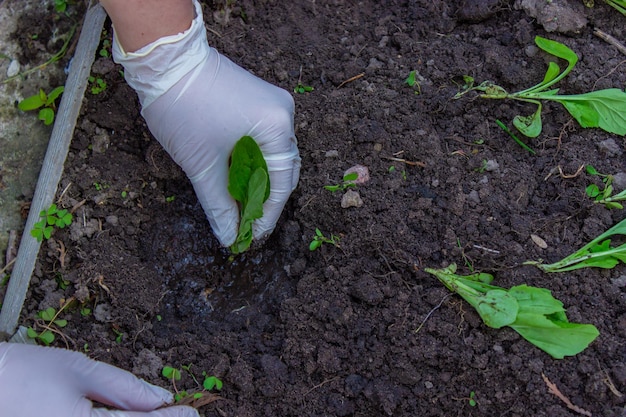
column 252, row 210
column 605, row 109
column 30, row 103
column 249, row 184
column 497, row 308
column 47, row 314
column 557, row 338
column 531, row 125
column 535, row 300
column 245, row 158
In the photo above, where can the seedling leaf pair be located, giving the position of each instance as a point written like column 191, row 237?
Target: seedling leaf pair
column 249, row 185
column 532, row 312
column 44, row 102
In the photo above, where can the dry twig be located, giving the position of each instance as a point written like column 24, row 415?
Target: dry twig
column 610, row 39
column 349, row 80
column 552, row 388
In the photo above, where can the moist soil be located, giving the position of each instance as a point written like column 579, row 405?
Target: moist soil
column 358, row 328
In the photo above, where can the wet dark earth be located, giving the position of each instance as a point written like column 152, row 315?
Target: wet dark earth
column 357, row 329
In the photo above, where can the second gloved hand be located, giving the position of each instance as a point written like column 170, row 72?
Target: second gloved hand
column 198, row 103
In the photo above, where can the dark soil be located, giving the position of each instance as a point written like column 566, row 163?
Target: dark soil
column 359, row 329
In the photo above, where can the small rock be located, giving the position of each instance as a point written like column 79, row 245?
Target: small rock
column 610, row 147
column 351, row 199
column 333, row 153
column 539, row 241
column 14, row 68
column 102, row 312
column 619, row 181
column 492, row 165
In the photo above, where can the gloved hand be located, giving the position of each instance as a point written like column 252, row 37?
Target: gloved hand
column 38, row 381
column 198, row 103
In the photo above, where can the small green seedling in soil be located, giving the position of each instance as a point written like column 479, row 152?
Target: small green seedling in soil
column 105, row 49
column 249, row 185
column 170, row 199
column 60, row 6
column 49, row 316
column 43, row 102
column 532, row 312
column 605, row 109
column 208, row 384
column 301, row 88
column 604, row 196
column 51, row 218
column 598, row 253
column 349, row 180
column 472, row 399
column 411, row 81
column 320, row 239
column 98, row 85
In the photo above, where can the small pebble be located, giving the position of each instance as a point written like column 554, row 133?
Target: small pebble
column 351, row 199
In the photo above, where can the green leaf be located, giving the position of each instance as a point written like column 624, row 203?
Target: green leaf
column 171, row 373
column 556, row 338
column 531, row 125
column 61, row 322
column 315, row 244
column 535, row 300
column 605, row 109
column 249, row 184
column 47, row 337
column 46, row 115
column 497, row 308
column 410, row 79
column 54, row 94
column 47, row 314
column 30, row 103
column 212, row 382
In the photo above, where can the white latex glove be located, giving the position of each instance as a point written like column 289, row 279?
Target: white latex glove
column 38, row 381
column 198, row 103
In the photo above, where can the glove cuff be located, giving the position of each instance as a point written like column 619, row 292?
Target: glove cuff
column 156, row 67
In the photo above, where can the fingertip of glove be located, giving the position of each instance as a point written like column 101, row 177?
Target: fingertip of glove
column 161, row 394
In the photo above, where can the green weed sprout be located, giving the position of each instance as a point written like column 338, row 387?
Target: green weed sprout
column 347, row 182
column 532, row 312
column 598, row 253
column 320, row 239
column 49, row 316
column 44, row 102
column 50, row 218
column 472, row 399
column 605, row 109
column 411, row 81
column 604, row 196
column 60, row 6
column 301, row 88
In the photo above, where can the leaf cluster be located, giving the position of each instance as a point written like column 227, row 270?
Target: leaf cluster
column 249, row 185
column 44, row 102
column 49, row 316
column 605, row 109
column 50, row 218
column 301, row 88
column 98, row 85
column 532, row 312
column 605, row 195
column 209, row 383
column 320, row 239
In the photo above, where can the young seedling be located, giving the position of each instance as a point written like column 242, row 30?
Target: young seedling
column 349, row 180
column 60, row 6
column 320, row 239
column 49, row 316
column 532, row 312
column 98, row 85
column 515, row 138
column 249, row 185
column 411, row 81
column 598, row 253
column 604, row 196
column 44, row 102
column 50, row 218
column 472, row 399
column 209, row 383
column 301, row 88
column 605, row 109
